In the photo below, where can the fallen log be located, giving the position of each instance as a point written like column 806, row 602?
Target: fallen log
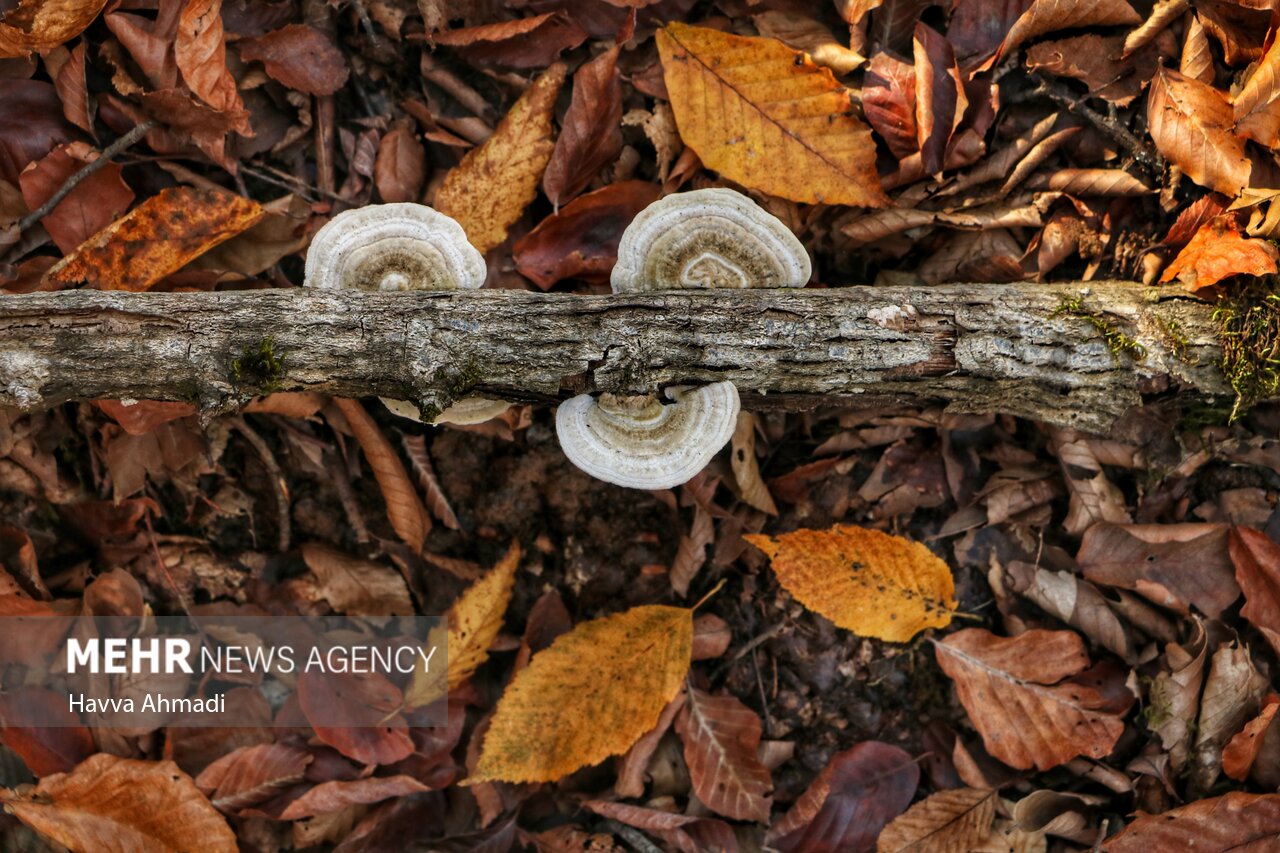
column 1074, row 354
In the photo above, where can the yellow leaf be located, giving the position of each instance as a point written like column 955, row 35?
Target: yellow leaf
column 591, row 694
column 868, row 582
column 494, row 183
column 473, row 621
column 765, row 116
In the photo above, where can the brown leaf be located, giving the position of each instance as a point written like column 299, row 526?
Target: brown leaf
column 334, row 796
column 404, row 509
column 36, row 723
column 1196, row 62
column 1233, row 692
column 200, row 50
column 352, row 585
column 581, row 240
column 31, row 124
column 300, row 57
column 73, row 89
column 1076, row 602
column 88, row 208
column 1173, row 565
column 1256, row 106
column 711, row 637
column 1257, row 564
column 375, row 732
column 401, row 167
column 952, row 821
column 1240, row 753
column 804, row 33
column 1020, row 696
column 889, row 103
column 1046, row 16
column 591, row 133
column 142, row 416
column 490, row 188
column 1236, row 821
column 38, row 25
column 685, row 833
column 415, row 447
column 746, row 470
column 155, row 239
column 633, row 768
column 1174, row 696
column 1219, row 251
column 691, row 553
column 1093, row 497
column 526, row 43
column 1097, row 62
column 252, row 774
column 721, row 736
column 109, row 803
column 940, row 96
column 854, row 797
column 1191, row 124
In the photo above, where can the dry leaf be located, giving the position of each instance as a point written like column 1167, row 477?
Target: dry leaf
column 746, row 470
column 352, row 585
column 142, row 416
column 154, row 239
column 1047, row 16
column 300, row 57
column 864, row 581
column 119, row 805
column 26, row 715
column 685, row 833
column 1078, row 603
column 334, row 796
column 1242, row 750
column 1174, row 696
column 811, row 36
column 401, row 167
column 494, row 183
column 952, row 821
column 473, row 621
column 889, row 102
column 1233, row 693
column 1021, row 699
column 1236, row 821
column 200, row 50
column 1218, row 251
column 691, row 553
column 592, row 694
column 793, row 136
column 252, row 774
column 721, row 737
column 1093, row 497
column 415, row 447
column 1191, row 124
column 1257, row 563
column 591, row 133
column 523, row 43
column 940, row 97
column 88, row 208
column 1256, row 106
column 408, row 517
column 39, row 25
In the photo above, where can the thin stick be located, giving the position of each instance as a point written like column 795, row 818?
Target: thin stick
column 1141, row 153
column 88, row 169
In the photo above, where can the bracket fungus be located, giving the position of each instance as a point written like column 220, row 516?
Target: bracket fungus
column 401, row 246
column 712, row 238
column 640, row 443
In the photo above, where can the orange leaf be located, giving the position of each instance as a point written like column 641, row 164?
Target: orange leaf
column 591, row 694
column 1218, row 251
column 1236, row 821
column 404, row 509
column 1242, row 750
column 39, row 25
column 119, row 804
column 768, row 118
column 865, row 581
column 494, row 183
column 154, row 239
column 1020, row 698
column 1191, row 124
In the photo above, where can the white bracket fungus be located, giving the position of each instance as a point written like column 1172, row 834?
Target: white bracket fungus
column 393, row 247
column 639, row 443
column 401, row 246
column 708, row 238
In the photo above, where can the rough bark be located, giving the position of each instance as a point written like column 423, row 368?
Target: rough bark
column 982, row 347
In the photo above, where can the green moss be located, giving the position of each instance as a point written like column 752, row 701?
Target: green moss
column 1118, row 342
column 1177, row 340
column 1249, row 333
column 1211, row 412
column 260, row 367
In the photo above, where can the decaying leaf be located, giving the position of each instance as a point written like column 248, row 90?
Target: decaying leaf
column 590, row 695
column 721, row 737
column 39, row 25
column 952, row 821
column 1257, row 563
column 494, row 183
column 356, row 586
column 1219, row 251
column 473, row 621
column 155, row 239
column 865, row 581
column 591, row 135
column 789, row 131
column 109, row 805
column 1021, row 695
column 746, row 470
column 1191, row 124
column 1236, row 821
column 300, row 57
column 252, row 774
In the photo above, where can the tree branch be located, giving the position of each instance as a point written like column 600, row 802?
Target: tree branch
column 1023, row 349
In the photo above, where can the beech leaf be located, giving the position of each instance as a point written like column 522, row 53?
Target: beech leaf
column 1191, row 124
column 1257, row 562
column 952, row 821
column 721, row 737
column 41, row 26
column 1235, row 821
column 1219, row 251
column 1047, row 16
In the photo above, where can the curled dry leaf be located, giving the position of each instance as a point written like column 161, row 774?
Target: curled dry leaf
column 473, row 621
column 494, row 183
column 1257, row 105
column 940, row 97
column 1020, row 695
column 142, row 416
column 952, row 821
column 1047, row 16
column 1236, row 821
column 329, row 797
column 889, row 102
column 352, row 585
column 408, row 516
column 811, row 36
column 523, row 43
column 591, row 133
column 252, row 774
column 685, row 833
column 1233, row 692
column 746, row 470
column 864, row 581
column 854, row 797
column 200, row 50
column 1257, row 563
column 41, row 26
column 1093, row 496
column 1173, row 565
column 1240, row 753
column 789, row 131
column 1076, row 602
column 155, row 239
column 592, row 694
column 1219, row 251
column 401, row 167
column 118, row 805
column 300, row 57
column 1191, row 124
column 1174, row 697
column 721, row 737
column 369, row 705
column 691, row 553
column 415, row 447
